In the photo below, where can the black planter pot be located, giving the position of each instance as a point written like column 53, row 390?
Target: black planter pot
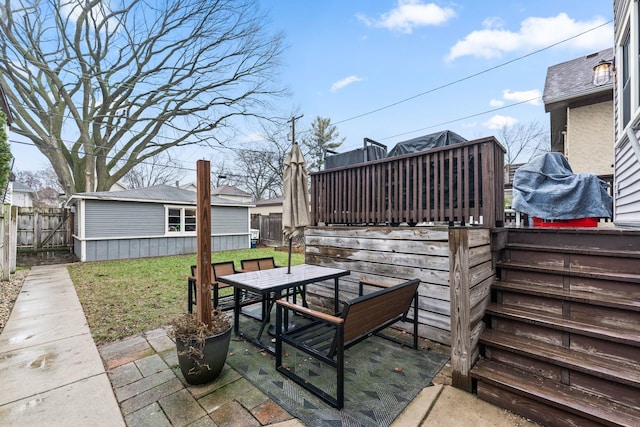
column 210, row 365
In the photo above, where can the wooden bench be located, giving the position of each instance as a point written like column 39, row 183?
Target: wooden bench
column 256, row 264
column 326, row 337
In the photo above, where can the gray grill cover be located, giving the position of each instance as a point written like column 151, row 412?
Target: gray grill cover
column 547, row 188
column 352, row 157
column 426, row 142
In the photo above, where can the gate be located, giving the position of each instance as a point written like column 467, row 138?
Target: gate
column 44, row 229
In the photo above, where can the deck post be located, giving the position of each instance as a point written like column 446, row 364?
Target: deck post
column 203, row 241
column 459, row 285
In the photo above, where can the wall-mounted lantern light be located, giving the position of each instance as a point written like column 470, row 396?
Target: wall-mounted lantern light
column 602, row 73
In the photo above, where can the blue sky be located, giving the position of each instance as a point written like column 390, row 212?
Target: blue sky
column 348, row 58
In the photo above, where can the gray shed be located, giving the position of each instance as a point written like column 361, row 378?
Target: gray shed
column 153, row 221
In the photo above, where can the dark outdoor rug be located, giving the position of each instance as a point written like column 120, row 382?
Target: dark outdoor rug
column 381, row 378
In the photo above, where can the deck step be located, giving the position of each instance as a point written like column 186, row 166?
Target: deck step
column 624, row 336
column 555, row 395
column 622, row 301
column 572, row 271
column 623, row 372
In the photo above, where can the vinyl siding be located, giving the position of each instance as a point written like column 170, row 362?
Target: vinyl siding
column 106, row 218
column 627, row 186
column 229, row 219
column 110, row 226
column 627, row 163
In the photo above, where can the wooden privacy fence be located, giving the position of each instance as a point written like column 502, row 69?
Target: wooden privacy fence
column 44, row 229
column 270, row 227
column 458, row 182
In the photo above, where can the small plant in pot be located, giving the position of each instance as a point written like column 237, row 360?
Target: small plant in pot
column 202, row 350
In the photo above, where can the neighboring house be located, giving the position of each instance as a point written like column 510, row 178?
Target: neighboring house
column 581, row 113
column 118, row 186
column 20, row 195
column 232, row 193
column 153, row 221
column 626, row 194
column 268, row 206
column 190, row 186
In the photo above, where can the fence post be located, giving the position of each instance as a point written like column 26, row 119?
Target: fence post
column 13, row 239
column 6, row 242
column 459, row 286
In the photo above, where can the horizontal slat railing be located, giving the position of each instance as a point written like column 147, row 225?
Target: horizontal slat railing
column 452, row 183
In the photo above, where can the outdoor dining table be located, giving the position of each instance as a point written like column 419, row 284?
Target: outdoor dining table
column 270, row 284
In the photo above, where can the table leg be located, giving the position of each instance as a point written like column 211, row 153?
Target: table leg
column 236, row 310
column 336, row 301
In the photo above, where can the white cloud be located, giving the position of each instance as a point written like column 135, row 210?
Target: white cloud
column 255, row 137
column 496, row 103
column 498, row 122
column 532, row 96
column 345, row 82
column 534, row 33
column 409, row 14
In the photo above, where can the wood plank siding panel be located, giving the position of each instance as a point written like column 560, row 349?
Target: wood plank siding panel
column 102, row 250
column 396, row 254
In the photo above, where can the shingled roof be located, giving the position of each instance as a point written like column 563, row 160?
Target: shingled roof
column 156, row 193
column 573, row 79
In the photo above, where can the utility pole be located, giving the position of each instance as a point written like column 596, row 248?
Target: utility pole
column 293, row 127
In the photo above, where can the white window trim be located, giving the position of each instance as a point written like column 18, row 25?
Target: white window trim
column 182, row 209
column 631, row 25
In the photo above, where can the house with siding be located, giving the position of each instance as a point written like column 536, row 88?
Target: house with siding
column 626, row 191
column 267, row 207
column 230, row 192
column 581, row 113
column 20, row 195
column 153, row 221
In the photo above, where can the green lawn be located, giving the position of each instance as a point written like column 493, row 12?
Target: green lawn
column 126, row 297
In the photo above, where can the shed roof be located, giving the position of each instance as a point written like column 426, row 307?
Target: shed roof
column 574, row 79
column 270, row 202
column 156, row 194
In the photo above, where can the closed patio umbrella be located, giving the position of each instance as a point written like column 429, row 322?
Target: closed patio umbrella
column 295, row 206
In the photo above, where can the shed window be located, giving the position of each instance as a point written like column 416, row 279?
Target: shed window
column 181, row 220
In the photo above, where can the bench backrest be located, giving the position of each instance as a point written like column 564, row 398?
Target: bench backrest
column 266, row 263
column 254, row 264
column 194, row 272
column 368, row 313
column 250, row 265
column 223, row 269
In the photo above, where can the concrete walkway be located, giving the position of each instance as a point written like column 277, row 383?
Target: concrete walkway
column 50, row 369
column 52, row 374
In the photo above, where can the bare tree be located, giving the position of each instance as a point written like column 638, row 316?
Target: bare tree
column 159, row 169
column 263, row 168
column 39, row 180
column 523, row 141
column 100, row 86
